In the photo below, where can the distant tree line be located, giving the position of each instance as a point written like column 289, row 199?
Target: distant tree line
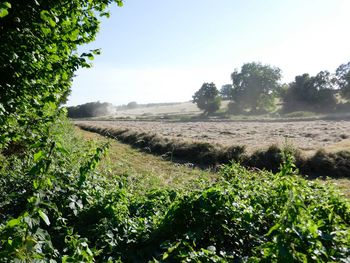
column 91, row 109
column 134, row 105
column 98, row 109
column 256, row 88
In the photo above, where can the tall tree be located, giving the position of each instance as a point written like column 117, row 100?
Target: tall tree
column 255, row 85
column 343, row 79
column 315, row 93
column 207, row 98
column 226, row 91
column 38, row 43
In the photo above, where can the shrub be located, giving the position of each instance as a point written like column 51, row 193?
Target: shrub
column 253, row 217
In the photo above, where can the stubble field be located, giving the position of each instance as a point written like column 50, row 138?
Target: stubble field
column 307, row 136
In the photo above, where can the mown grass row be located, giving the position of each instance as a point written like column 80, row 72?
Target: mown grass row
column 336, row 165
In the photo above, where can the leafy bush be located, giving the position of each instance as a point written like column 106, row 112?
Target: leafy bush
column 336, row 165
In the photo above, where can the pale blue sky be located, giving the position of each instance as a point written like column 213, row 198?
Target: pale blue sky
column 163, row 50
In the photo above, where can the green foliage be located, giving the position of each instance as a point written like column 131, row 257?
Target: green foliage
column 61, row 209
column 343, row 79
column 254, row 87
column 310, row 93
column 39, row 41
column 207, row 98
column 226, row 92
column 45, row 187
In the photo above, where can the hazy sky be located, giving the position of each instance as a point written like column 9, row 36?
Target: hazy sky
column 163, row 50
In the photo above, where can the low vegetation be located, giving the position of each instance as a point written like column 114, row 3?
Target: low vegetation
column 69, row 211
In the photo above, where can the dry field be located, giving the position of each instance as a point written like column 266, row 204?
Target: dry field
column 177, row 109
column 307, row 136
column 184, row 108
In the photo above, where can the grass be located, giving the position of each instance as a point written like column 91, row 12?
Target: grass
column 342, row 184
column 339, row 146
column 147, row 171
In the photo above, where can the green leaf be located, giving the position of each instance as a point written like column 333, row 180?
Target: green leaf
column 13, row 222
column 45, row 30
column 36, row 184
column 272, row 229
column 74, row 35
column 165, row 256
column 5, row 5
column 3, row 12
column 38, row 156
column 4, row 9
column 44, row 217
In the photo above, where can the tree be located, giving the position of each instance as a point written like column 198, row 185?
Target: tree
column 310, row 93
column 39, row 56
column 132, row 105
column 226, row 91
column 91, row 109
column 207, row 98
column 343, row 79
column 255, row 85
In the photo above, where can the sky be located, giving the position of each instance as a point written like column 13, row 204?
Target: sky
column 164, row 50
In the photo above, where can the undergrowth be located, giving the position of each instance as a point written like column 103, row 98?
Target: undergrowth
column 55, row 207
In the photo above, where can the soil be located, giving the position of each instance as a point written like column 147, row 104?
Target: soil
column 307, row 136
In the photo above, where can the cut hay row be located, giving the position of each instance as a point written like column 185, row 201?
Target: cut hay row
column 335, row 165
